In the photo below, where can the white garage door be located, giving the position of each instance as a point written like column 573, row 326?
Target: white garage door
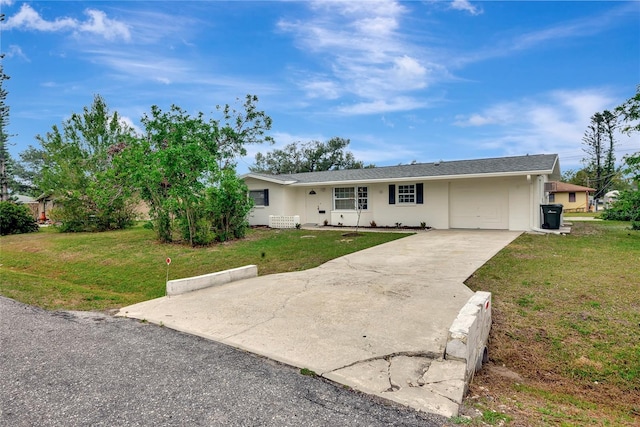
column 474, row 204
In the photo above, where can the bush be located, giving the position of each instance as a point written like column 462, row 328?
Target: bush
column 625, row 208
column 16, row 219
column 77, row 212
column 228, row 207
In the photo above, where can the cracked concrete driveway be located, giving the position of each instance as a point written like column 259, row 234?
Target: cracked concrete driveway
column 376, row 320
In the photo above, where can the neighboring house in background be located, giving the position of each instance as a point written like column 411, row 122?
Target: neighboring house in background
column 573, row 198
column 30, row 202
column 498, row 193
column 45, row 205
column 610, row 197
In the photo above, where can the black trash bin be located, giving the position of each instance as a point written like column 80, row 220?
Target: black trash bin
column 551, row 215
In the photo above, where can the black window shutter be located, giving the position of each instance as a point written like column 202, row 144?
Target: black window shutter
column 420, row 193
column 266, row 197
column 392, row 194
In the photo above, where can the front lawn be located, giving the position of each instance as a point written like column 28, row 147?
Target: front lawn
column 101, row 271
column 565, row 342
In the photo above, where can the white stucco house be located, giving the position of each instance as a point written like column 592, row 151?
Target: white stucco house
column 497, row 193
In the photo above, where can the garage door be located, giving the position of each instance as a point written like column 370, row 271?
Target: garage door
column 474, row 204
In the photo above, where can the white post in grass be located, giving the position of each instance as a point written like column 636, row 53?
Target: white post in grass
column 167, row 280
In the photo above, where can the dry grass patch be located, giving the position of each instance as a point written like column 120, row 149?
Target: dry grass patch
column 567, row 322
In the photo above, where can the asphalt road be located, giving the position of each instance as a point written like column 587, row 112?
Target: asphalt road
column 83, row 368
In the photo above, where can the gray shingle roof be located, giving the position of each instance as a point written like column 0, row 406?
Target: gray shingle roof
column 510, row 165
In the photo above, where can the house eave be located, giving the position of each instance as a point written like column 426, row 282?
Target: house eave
column 267, row 179
column 418, row 178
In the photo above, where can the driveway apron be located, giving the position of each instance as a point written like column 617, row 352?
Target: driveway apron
column 392, row 300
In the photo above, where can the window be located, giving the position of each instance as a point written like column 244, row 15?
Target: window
column 572, row 197
column 259, row 197
column 362, row 198
column 406, row 193
column 552, row 197
column 344, row 198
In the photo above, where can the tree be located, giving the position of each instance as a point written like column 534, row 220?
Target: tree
column 577, row 177
column 629, row 113
column 78, row 170
column 183, row 168
column 6, row 162
column 27, row 171
column 626, row 207
column 312, row 156
column 599, row 144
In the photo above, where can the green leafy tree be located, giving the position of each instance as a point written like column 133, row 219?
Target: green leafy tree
column 312, row 156
column 16, row 219
column 584, row 178
column 626, row 207
column 576, row 177
column 78, row 170
column 27, row 171
column 629, row 114
column 183, row 168
column 172, row 166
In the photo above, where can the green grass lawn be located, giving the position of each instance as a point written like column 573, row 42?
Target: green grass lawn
column 568, row 215
column 566, row 313
column 101, row 271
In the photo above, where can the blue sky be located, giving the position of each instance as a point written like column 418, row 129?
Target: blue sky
column 403, row 80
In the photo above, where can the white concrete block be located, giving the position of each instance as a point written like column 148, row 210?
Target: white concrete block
column 469, row 332
column 188, row 284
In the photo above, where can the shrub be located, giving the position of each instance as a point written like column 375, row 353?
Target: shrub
column 16, row 219
column 228, row 207
column 625, row 208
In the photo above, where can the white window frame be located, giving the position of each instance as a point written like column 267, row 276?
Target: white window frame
column 254, row 200
column 406, row 194
column 363, row 198
column 359, row 193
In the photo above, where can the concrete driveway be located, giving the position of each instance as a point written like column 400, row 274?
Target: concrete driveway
column 376, row 320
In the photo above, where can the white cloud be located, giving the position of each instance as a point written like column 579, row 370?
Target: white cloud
column 29, row 19
column 365, row 55
column 16, row 51
column 496, row 114
column 97, row 23
column 382, row 106
column 126, row 121
column 410, row 72
column 326, row 89
column 143, row 66
column 465, row 5
column 6, row 2
column 575, row 28
column 554, row 122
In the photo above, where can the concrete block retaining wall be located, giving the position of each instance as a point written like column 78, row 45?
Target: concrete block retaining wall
column 469, row 333
column 284, row 221
column 181, row 286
